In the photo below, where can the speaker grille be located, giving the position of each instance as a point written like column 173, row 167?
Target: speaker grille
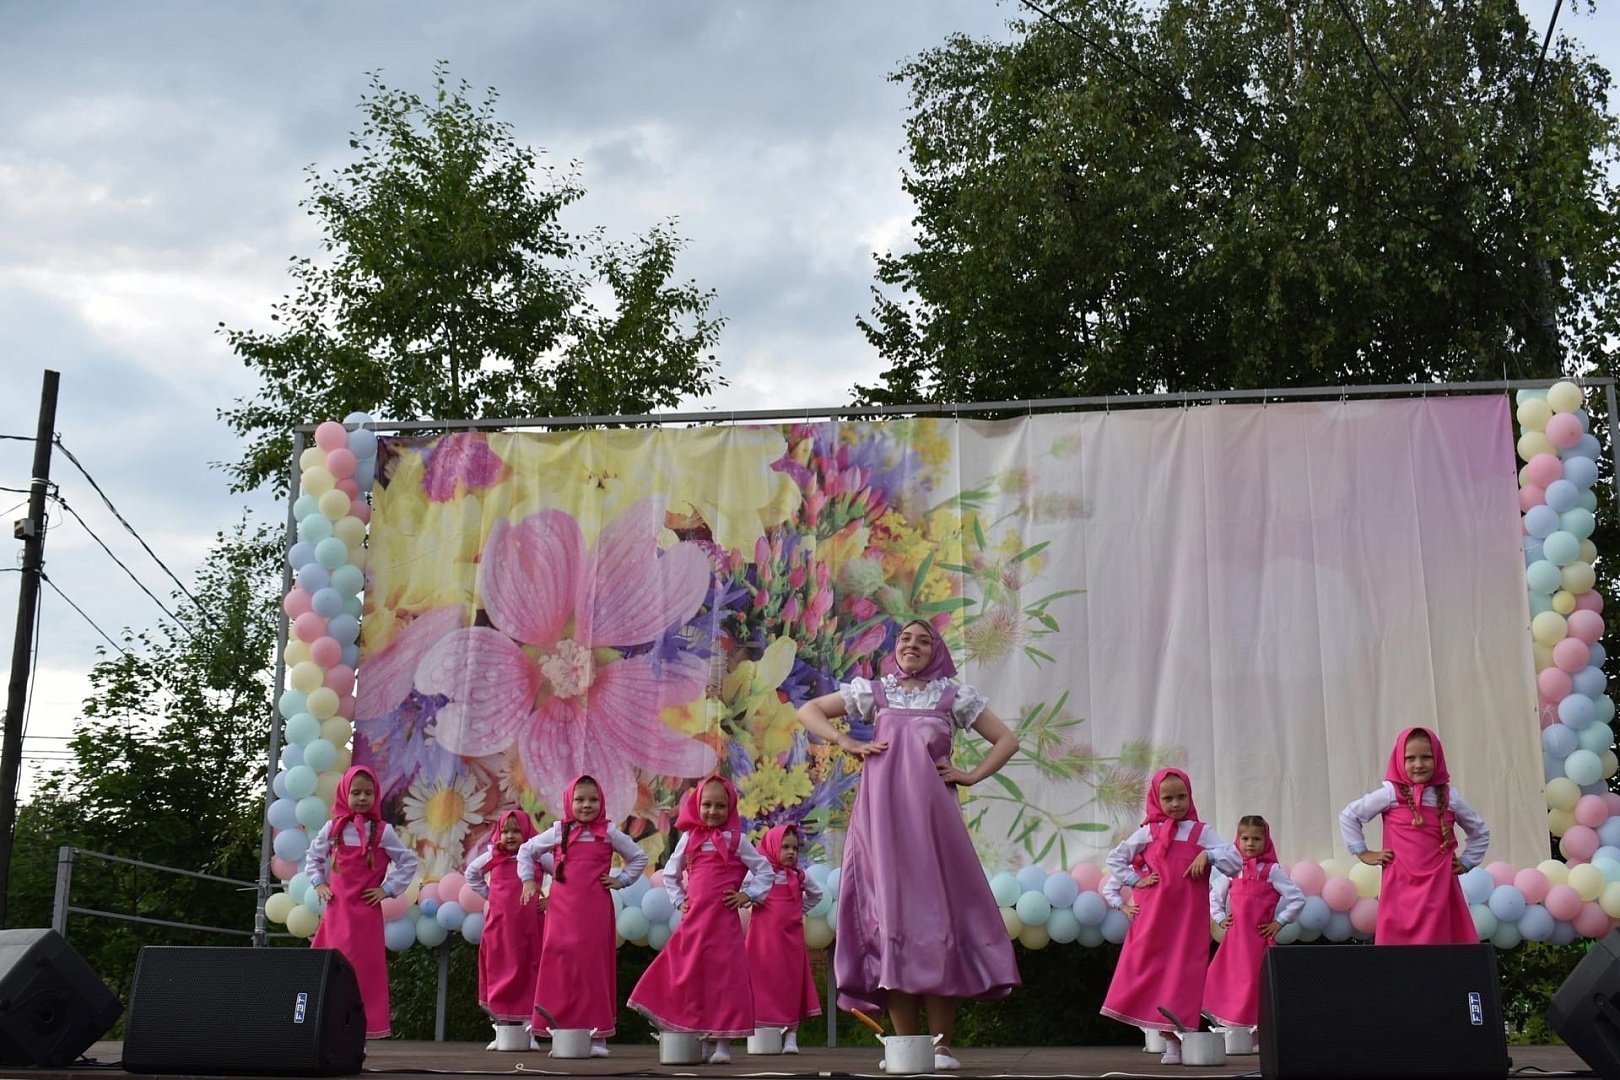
column 52, row 1003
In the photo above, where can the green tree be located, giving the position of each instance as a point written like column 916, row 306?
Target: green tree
column 1205, row 194
column 451, row 289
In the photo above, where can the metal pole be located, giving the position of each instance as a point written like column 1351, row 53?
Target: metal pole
column 31, row 531
column 832, row 996
column 1613, row 423
column 64, row 889
column 261, row 928
column 444, row 990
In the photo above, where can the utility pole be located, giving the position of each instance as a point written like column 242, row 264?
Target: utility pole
column 31, row 531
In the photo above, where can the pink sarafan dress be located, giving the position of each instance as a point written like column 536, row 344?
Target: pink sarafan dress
column 1166, row 952
column 778, row 959
column 509, row 951
column 1232, row 987
column 699, row 982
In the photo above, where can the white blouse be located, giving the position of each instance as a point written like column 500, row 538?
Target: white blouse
column 1222, row 856
column 757, row 885
column 1353, row 819
column 402, row 860
column 478, row 882
column 535, row 847
column 809, row 892
column 1293, row 899
column 858, row 698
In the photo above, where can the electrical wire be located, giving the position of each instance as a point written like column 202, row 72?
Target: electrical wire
column 138, row 582
column 105, row 637
column 1535, row 80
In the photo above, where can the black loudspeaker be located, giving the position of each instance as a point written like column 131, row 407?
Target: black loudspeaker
column 244, row 1012
column 52, row 1004
column 1584, row 1013
column 1381, row 1010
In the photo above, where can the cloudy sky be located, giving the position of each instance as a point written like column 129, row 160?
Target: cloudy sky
column 152, row 156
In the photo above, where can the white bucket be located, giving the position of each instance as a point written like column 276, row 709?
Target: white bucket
column 571, row 1042
column 511, row 1037
column 678, row 1048
column 908, row 1054
column 1153, row 1041
column 1239, row 1040
column 766, row 1040
column 1203, row 1048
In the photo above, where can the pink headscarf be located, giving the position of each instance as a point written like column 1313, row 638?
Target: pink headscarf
column 939, row 666
column 1255, row 869
column 343, row 813
column 770, row 846
column 1395, row 771
column 572, row 826
column 690, row 819
column 498, row 854
column 1164, row 828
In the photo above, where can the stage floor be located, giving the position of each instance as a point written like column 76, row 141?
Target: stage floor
column 389, row 1058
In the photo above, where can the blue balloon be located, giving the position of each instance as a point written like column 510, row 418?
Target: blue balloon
column 348, row 579
column 301, row 728
column 1539, row 602
column 1596, row 738
column 1563, row 933
column 292, row 755
column 1531, row 544
column 1607, row 851
column 333, row 553
column 1477, row 885
column 320, row 755
column 1588, row 501
column 1031, row 879
column 1062, row 926
column 1004, row 887
column 328, row 601
column 1288, row 934
column 1551, row 767
column 305, row 505
column 818, row 871
column 1507, row 935
column 1563, row 495
column 1338, row 927
column 1584, row 766
column 365, row 474
column 1596, row 787
column 1583, row 418
column 1543, row 575
column 1090, row 936
column 450, row 915
column 278, row 784
column 472, row 927
column 1575, row 712
column 1597, row 655
column 311, row 811
column 430, row 906
column 1522, row 396
column 400, row 934
column 1580, row 471
column 299, row 554
column 633, row 892
column 291, row 844
column 1605, row 708
column 1060, row 890
column 1541, row 522
column 1590, row 680
column 314, row 577
column 835, row 878
column 315, row 528
column 291, row 703
column 1560, row 549
column 1608, row 861
column 301, row 780
column 1578, row 523
column 313, row 901
column 1485, row 921
column 657, row 907
column 430, row 933
column 1588, row 447
column 361, row 418
column 1033, row 908
column 1536, row 924
column 1559, row 741
column 363, row 444
column 1609, row 832
column 1090, row 909
column 1115, row 925
column 1507, row 903
column 283, row 813
column 353, row 605
column 345, row 628
column 351, row 656
column 1315, row 914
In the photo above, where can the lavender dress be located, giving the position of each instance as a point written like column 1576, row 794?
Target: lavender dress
column 915, row 912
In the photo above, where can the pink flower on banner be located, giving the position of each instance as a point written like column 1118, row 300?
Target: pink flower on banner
column 460, row 461
column 568, row 667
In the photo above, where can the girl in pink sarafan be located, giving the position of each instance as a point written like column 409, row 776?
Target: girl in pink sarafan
column 578, row 982
column 700, row 980
column 369, row 863
column 1166, row 952
column 1420, row 901
column 509, row 951
column 778, row 960
column 1253, row 908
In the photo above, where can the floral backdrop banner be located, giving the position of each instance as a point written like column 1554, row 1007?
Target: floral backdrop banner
column 1263, row 594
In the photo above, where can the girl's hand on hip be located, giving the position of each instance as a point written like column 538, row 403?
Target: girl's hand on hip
column 860, row 749
column 1381, row 857
column 324, row 891
column 1198, row 866
column 612, row 881
column 953, row 776
column 1270, row 929
column 737, row 899
column 530, row 888
column 374, row 896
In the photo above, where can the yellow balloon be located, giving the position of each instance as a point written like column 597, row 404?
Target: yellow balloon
column 1579, row 577
column 297, row 652
column 357, row 557
column 1610, row 900
column 1012, row 922
column 326, row 786
column 1035, row 937
column 1565, row 397
column 1334, row 868
column 301, row 922
column 1587, row 552
column 1611, row 763
column 351, row 530
column 345, row 758
column 306, row 676
column 1587, row 880
column 322, row 702
column 1559, row 822
column 334, row 505
column 1368, row 879
column 1534, row 414
column 1217, row 932
column 337, row 731
column 318, row 481
column 1562, row 793
column 310, row 458
column 1543, row 655
column 1524, row 476
column 1531, row 443
column 1549, row 628
column 1563, row 601
column 1555, row 871
column 817, row 934
column 277, row 906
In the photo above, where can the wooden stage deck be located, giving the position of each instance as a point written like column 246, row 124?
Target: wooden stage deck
column 390, row 1058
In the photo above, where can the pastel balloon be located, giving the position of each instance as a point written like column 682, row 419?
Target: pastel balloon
column 1578, row 523
column 352, row 531
column 1089, row 909
column 340, row 677
column 1529, row 495
column 1477, row 885
column 291, row 844
column 1549, row 628
column 348, row 486
column 1013, row 924
column 318, row 480
column 1034, row 937
column 277, row 906
column 1565, row 396
column 327, row 603
column 349, row 580
column 312, row 812
column 1531, row 445
column 312, row 576
column 1502, row 873
column 1556, row 871
column 450, row 915
column 1339, row 893
column 1571, row 654
column 302, row 922
column 1544, row 576
column 470, row 900
column 311, row 457
column 320, row 755
column 1578, row 843
column 472, row 927
column 1553, row 683
column 1590, row 680
column 1561, row 495
column 1560, row 822
column 1364, row 916
column 1591, row 811
column 817, row 934
column 1580, row 471
column 1533, row 415
column 1543, row 469
column 1587, row 881
column 1062, row 926
column 306, row 676
column 399, row 934
column 301, row 783
column 1563, row 601
column 1610, row 900
column 1004, row 887
column 324, row 652
column 429, row 932
column 1585, row 625
column 1060, row 890
column 1560, row 548
column 1309, row 877
column 1031, row 877
column 1563, row 431
column 1034, row 908
column 334, row 504
column 1315, row 914
column 1507, row 935
column 1507, row 903
column 363, row 443
column 1115, row 925
column 1539, row 521
column 283, row 813
column 323, row 702
column 341, row 462
column 1563, row 901
column 393, row 907
column 1485, row 921
column 331, row 435
column 1536, row 924
column 1584, row 767
column 310, row 626
column 1593, row 921
column 1563, row 793
column 1559, row 741
column 1576, row 711
column 331, row 552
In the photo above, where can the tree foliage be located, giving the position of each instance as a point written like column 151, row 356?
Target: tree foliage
column 1204, row 194
column 450, row 288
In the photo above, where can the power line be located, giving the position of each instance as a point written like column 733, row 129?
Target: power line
column 46, row 579
column 131, row 530
column 139, row 583
column 1535, row 80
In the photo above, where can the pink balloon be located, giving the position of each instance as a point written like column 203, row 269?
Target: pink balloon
column 450, row 886
column 1309, row 876
column 1579, row 843
column 1564, row 431
column 1340, row 893
column 1554, row 684
column 349, row 487
column 1501, row 872
column 469, row 900
column 1592, row 921
column 656, row 879
column 341, row 463
column 1364, row 915
column 1543, row 469
column 1547, row 712
column 1572, row 654
column 331, row 435
column 297, row 602
column 361, row 509
column 1563, row 902
column 340, row 677
column 309, row 626
column 1612, row 801
column 326, row 651
column 346, row 706
column 1087, row 875
column 284, row 869
column 393, row 907
column 1586, row 625
column 1590, row 600
column 1530, row 495
column 1533, row 883
column 1591, row 811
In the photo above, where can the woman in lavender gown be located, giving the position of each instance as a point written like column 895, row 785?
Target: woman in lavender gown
column 918, row 928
